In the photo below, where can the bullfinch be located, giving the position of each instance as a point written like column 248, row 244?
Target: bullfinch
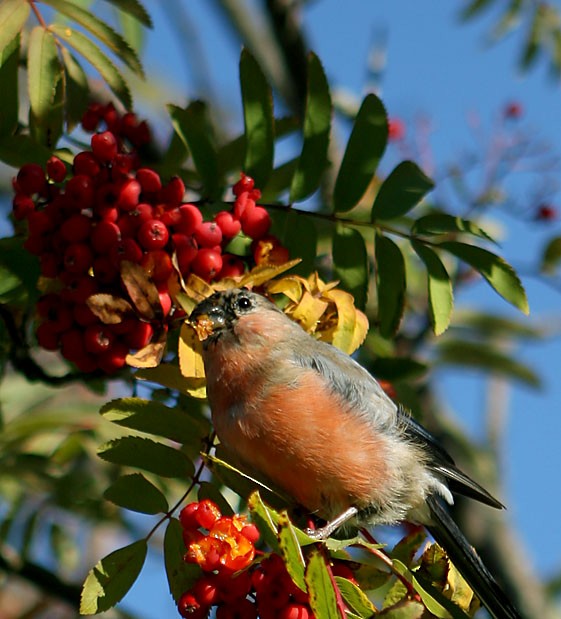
column 305, row 418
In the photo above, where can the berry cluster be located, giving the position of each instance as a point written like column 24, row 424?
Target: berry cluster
column 83, row 222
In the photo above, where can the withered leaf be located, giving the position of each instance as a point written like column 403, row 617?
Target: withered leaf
column 108, row 308
column 141, row 289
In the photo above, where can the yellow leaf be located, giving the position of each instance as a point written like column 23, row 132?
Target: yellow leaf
column 343, row 335
column 190, row 353
column 262, row 273
column 360, row 331
column 170, row 376
column 197, row 288
column 151, row 355
column 462, row 594
column 309, row 311
column 290, row 286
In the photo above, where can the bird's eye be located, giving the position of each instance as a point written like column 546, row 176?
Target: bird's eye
column 244, row 303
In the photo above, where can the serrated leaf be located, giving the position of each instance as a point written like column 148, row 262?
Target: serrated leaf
column 110, row 580
column 551, row 255
column 193, row 127
column 402, row 190
column 141, row 290
column 210, row 491
column 406, row 609
column 320, row 588
column 350, row 260
column 500, row 275
column 147, row 455
column 113, row 40
column 134, row 8
column 191, row 365
column 136, row 493
column 170, row 376
column 154, row 418
column 44, row 71
column 93, row 54
column 317, row 126
column 265, row 518
column 9, row 102
column 364, row 150
column 355, row 597
column 77, row 89
column 488, row 359
column 441, row 295
column 291, row 552
column 352, row 324
column 257, row 100
column 181, row 576
column 13, row 15
column 390, row 283
column 441, row 223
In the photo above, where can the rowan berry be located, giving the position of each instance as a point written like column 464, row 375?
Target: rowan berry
column 188, row 516
column 243, row 205
column 233, row 588
column 125, row 249
column 140, row 335
column 83, row 315
column 104, row 235
column 72, row 344
column 186, row 250
column 230, row 227
column 251, row 532
column 207, row 590
column 50, row 264
column 80, row 191
column 90, row 119
column 190, row 608
column 98, row 338
column 128, row 196
column 31, row 179
column 232, row 266
column 22, row 205
column 149, row 180
column 76, row 229
column 207, row 263
column 153, row 234
column 256, row 222
column 295, row 611
column 191, row 217
column 106, row 269
column 39, row 223
column 78, row 258
column 85, row 163
column 546, row 212
column 173, row 192
column 56, row 170
column 113, row 359
column 104, row 145
column 171, row 217
column 208, row 234
column 241, row 609
column 166, row 302
column 246, row 183
column 396, row 129
column 207, row 513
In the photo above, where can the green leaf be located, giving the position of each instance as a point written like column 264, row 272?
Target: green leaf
column 279, row 181
column 487, row 358
column 364, row 150
column 193, row 127
column 113, row 40
column 320, row 588
column 390, row 283
column 442, row 223
column 210, row 491
column 77, row 89
column 500, row 275
column 533, row 43
column 441, row 296
column 110, row 580
column 403, row 189
column 257, row 100
column 493, row 326
column 155, row 418
column 9, row 102
column 317, row 126
column 475, row 7
column 13, row 15
column 134, row 8
column 136, row 493
column 350, row 260
column 300, row 237
column 15, row 150
column 181, row 576
column 44, row 71
column 355, row 597
column 93, row 54
column 291, row 551
column 405, row 609
column 266, row 520
column 551, row 255
column 21, row 265
column 148, row 455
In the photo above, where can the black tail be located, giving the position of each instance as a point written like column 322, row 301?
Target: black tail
column 448, row 535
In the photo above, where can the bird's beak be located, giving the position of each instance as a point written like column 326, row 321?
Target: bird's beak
column 207, row 318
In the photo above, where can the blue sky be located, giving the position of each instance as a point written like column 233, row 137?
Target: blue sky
column 447, row 71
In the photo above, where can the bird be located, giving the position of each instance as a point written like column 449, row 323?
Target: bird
column 303, row 417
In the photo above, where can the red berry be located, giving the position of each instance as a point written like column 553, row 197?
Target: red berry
column 78, row 258
column 207, row 263
column 229, row 226
column 90, row 120
column 206, row 590
column 104, row 145
column 149, row 180
column 243, row 205
column 112, row 118
column 207, row 513
column 396, row 129
column 47, row 336
column 546, row 212
column 80, row 191
column 139, row 336
column 245, row 183
column 79, row 288
column 256, row 223
column 76, row 229
column 83, row 315
column 191, row 217
column 251, row 532
column 190, row 608
column 31, row 179
column 165, row 302
column 513, row 110
column 171, row 217
column 104, row 235
column 86, row 363
column 23, row 205
column 98, row 338
column 39, row 223
column 125, row 249
column 113, row 359
column 72, row 344
column 56, row 169
column 295, row 611
column 241, row 609
column 153, row 234
column 173, row 192
column 105, row 268
column 233, row 588
column 85, row 163
column 50, row 264
column 128, row 195
column 123, row 164
column 208, row 234
column 188, row 516
column 232, row 266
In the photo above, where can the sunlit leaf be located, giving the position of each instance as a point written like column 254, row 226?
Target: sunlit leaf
column 170, row 376
column 402, row 190
column 110, row 580
column 364, row 150
column 500, row 275
column 441, row 297
column 136, row 493
column 291, row 552
column 134, row 8
column 441, row 223
column 390, row 283
column 354, row 597
column 317, row 125
column 44, row 71
column 551, row 256
column 257, row 102
column 13, row 15
column 93, row 54
column 320, row 588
